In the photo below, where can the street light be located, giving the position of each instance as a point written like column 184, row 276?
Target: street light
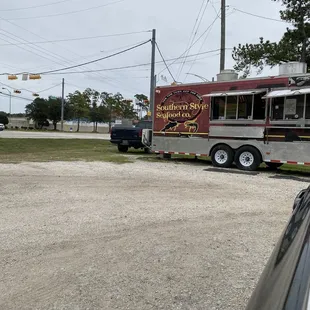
column 201, row 77
column 10, row 99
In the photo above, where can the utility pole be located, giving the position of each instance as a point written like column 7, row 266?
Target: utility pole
column 62, row 104
column 152, row 83
column 223, row 34
column 10, row 94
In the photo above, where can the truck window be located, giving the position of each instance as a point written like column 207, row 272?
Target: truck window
column 277, row 108
column 144, row 125
column 245, row 107
column 291, row 107
column 308, row 106
column 231, row 107
column 294, row 107
column 218, row 107
column 259, row 107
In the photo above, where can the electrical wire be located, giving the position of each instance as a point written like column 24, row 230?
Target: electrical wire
column 30, row 91
column 190, row 48
column 204, row 41
column 259, row 16
column 215, row 10
column 67, row 13
column 54, row 54
column 127, row 67
column 130, row 66
column 98, row 59
column 13, row 96
column 101, row 78
column 193, row 30
column 164, row 61
column 79, row 39
column 31, row 51
column 34, row 6
column 195, row 33
column 46, row 89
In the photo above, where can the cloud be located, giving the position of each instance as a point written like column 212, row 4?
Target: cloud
column 173, row 20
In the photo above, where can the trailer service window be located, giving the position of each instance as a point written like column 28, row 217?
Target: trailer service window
column 290, row 104
column 243, row 105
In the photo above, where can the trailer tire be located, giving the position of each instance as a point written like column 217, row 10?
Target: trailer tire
column 222, row 156
column 248, row 158
column 122, row 148
column 147, row 150
column 273, row 166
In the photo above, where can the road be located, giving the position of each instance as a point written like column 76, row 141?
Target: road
column 136, row 236
column 51, row 135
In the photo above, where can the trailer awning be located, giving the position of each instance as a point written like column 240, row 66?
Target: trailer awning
column 287, row 92
column 236, row 93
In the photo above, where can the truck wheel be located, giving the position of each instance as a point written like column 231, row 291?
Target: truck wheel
column 248, row 158
column 123, row 148
column 273, row 166
column 147, row 150
column 222, row 156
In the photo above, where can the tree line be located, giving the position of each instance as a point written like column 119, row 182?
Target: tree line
column 91, row 105
column 293, row 46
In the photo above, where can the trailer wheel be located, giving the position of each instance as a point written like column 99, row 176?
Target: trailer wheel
column 273, row 166
column 248, row 158
column 222, row 156
column 123, row 148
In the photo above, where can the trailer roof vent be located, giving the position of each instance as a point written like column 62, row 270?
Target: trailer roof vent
column 292, row 67
column 227, row 75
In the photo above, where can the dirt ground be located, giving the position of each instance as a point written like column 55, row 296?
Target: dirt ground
column 136, row 236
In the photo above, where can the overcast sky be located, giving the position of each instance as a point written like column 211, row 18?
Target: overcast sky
column 173, row 19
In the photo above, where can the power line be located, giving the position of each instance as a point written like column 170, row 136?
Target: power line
column 195, row 34
column 259, row 16
column 44, row 90
column 68, row 13
column 164, row 61
column 79, row 39
column 193, row 30
column 13, row 96
column 31, row 51
column 96, row 60
column 132, row 66
column 207, row 34
column 190, row 47
column 35, row 6
column 12, row 23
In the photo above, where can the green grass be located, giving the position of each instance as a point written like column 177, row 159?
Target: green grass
column 42, row 150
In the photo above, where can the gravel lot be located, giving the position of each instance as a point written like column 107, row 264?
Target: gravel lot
column 136, row 236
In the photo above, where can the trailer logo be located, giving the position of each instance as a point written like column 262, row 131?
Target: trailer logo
column 181, row 107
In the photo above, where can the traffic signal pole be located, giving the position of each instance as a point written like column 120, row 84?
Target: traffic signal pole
column 62, row 104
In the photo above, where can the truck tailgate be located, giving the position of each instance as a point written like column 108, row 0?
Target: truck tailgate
column 125, row 133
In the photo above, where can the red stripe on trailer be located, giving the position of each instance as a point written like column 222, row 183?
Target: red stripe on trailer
column 307, row 164
column 275, row 161
column 181, row 153
column 292, row 162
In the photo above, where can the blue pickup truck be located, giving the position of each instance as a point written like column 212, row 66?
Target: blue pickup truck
column 129, row 136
